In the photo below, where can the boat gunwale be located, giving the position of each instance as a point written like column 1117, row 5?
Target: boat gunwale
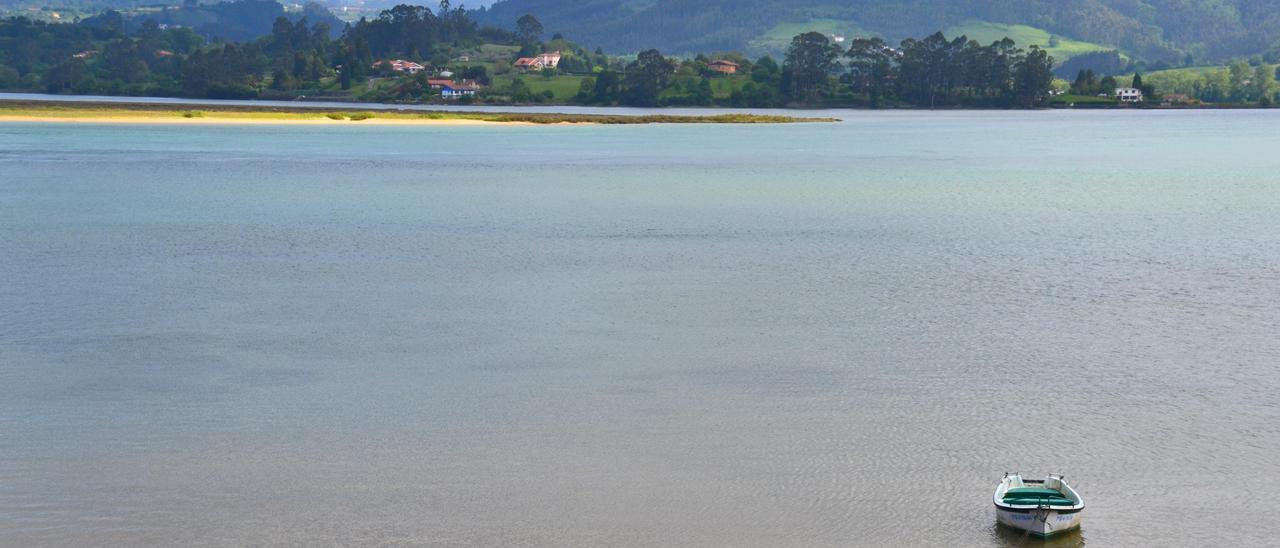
column 1026, row 508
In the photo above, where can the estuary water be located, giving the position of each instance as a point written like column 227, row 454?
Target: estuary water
column 670, row 335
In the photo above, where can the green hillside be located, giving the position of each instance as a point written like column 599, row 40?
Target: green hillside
column 1061, row 48
column 1153, row 30
column 776, row 39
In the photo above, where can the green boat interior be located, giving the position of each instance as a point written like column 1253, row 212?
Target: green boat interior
column 1036, row 495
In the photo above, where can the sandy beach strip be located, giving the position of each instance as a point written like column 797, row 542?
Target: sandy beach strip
column 89, row 112
column 245, row 120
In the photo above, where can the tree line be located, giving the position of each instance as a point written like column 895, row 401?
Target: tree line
column 929, row 72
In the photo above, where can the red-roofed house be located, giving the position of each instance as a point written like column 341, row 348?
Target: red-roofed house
column 400, row 65
column 541, row 61
column 722, row 66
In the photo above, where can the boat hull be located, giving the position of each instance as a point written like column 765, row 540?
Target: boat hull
column 1041, row 522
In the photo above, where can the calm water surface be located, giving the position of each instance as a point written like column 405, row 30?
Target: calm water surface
column 803, row 335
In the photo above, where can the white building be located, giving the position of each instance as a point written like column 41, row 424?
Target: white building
column 456, row 91
column 400, row 65
column 1128, row 95
column 548, row 60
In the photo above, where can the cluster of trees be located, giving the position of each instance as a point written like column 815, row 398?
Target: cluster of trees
column 1088, row 83
column 1239, row 82
column 935, row 71
column 1103, row 62
column 929, row 72
column 91, row 59
column 412, row 32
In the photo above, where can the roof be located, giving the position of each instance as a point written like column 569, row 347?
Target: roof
column 525, row 61
column 400, row 64
column 462, row 87
column 723, row 62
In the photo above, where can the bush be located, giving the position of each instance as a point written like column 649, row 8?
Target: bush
column 192, row 114
column 335, row 116
column 9, row 77
column 357, row 116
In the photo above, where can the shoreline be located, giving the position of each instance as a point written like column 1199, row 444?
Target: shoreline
column 790, row 113
column 98, row 112
column 240, row 120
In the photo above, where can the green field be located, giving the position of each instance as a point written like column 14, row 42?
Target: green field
column 1083, row 100
column 779, row 37
column 564, row 86
column 986, row 32
column 1184, row 72
column 495, row 50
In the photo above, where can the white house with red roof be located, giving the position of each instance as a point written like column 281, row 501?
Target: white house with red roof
column 400, row 65
column 548, row 60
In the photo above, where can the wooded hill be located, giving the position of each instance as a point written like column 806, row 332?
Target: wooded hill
column 1167, row 31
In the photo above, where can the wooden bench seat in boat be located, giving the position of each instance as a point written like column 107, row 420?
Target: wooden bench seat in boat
column 1035, row 495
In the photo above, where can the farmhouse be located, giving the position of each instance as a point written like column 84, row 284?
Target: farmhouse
column 549, row 60
column 722, row 66
column 1128, row 95
column 400, row 65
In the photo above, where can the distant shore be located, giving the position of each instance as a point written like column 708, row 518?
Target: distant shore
column 159, row 113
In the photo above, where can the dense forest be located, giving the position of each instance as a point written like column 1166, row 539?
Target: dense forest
column 1155, row 30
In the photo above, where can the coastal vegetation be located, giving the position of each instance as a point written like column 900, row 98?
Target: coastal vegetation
column 299, row 58
column 1240, row 82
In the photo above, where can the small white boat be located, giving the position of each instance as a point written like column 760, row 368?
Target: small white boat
column 1040, row 507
